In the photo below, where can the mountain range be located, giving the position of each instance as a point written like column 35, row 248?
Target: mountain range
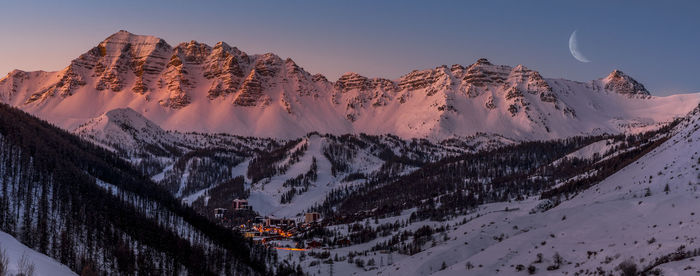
column 214, row 89
column 477, row 169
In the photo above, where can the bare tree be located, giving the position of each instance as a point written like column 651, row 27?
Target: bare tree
column 627, row 268
column 558, row 260
column 24, row 266
column 4, row 261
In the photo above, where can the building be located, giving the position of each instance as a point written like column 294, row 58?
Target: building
column 219, row 213
column 240, row 204
column 251, row 234
column 311, row 217
column 271, row 221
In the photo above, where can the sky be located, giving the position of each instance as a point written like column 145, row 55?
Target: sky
column 655, row 42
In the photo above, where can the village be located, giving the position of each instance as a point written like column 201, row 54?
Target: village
column 278, row 233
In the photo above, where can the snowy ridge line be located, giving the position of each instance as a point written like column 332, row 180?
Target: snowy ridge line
column 220, row 89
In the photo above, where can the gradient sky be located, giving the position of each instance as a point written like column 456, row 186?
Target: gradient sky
column 655, row 42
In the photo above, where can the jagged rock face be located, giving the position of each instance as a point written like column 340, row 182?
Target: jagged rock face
column 383, row 84
column 359, row 92
column 319, row 78
column 268, row 65
column 193, row 52
column 177, row 82
column 621, row 83
column 529, row 80
column 123, row 54
column 519, row 102
column 186, row 59
column 251, row 90
column 14, row 80
column 513, row 92
column 418, row 79
column 223, row 60
column 301, row 81
column 293, row 70
column 457, row 70
column 251, row 93
column 373, row 96
column 483, row 73
column 225, row 65
column 112, row 63
column 149, row 65
column 435, row 80
column 351, row 81
column 70, row 80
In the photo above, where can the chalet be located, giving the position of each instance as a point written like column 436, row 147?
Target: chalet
column 311, row 217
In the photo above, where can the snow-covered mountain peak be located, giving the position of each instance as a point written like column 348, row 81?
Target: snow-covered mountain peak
column 531, row 81
column 268, row 64
column 619, row 82
column 12, row 73
column 130, row 116
column 124, row 129
column 350, row 81
column 483, row 73
column 483, row 61
column 193, row 51
column 119, row 116
column 138, row 45
column 520, row 67
column 224, row 46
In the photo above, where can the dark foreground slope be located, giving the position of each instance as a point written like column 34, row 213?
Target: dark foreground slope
column 92, row 211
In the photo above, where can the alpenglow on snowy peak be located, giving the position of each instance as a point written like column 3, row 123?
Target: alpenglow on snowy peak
column 197, row 87
column 621, row 83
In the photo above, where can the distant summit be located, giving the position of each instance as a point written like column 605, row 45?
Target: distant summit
column 619, row 82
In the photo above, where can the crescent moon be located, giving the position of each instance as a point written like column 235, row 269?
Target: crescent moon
column 573, row 47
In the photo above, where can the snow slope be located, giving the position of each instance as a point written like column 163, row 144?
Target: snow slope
column 43, row 265
column 197, row 87
column 596, row 149
column 615, row 218
column 124, row 128
column 627, row 217
column 265, row 196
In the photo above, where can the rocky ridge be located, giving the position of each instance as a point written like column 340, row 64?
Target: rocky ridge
column 178, row 87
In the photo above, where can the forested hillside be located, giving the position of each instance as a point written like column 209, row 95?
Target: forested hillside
column 94, row 212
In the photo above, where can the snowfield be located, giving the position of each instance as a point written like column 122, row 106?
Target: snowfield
column 43, row 265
